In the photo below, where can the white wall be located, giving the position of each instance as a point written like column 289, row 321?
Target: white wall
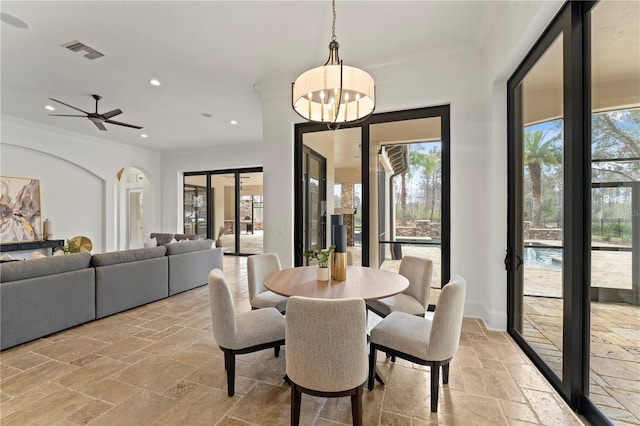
column 504, row 48
column 78, row 187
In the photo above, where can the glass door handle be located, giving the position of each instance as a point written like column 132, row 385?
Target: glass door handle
column 509, row 259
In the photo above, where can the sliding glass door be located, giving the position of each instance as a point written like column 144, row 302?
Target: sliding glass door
column 366, row 165
column 574, row 185
column 196, row 202
column 614, row 336
column 226, row 206
column 539, row 169
column 407, row 182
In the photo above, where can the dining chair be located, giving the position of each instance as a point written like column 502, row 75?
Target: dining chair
column 326, row 351
column 244, row 332
column 425, row 341
column 415, row 299
column 259, row 266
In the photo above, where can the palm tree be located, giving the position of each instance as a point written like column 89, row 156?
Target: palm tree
column 539, row 152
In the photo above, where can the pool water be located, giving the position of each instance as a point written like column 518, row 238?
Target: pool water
column 543, row 258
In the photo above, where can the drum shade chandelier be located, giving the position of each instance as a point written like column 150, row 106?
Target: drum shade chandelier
column 334, row 93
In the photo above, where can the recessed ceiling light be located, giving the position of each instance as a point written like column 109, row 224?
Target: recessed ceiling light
column 49, row 108
column 13, row 21
column 234, row 122
column 154, row 82
column 206, row 115
column 144, row 135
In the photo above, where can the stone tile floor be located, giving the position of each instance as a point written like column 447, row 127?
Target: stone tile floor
column 159, row 365
column 614, row 375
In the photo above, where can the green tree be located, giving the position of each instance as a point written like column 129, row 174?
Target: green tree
column 426, row 164
column 616, row 137
column 539, row 150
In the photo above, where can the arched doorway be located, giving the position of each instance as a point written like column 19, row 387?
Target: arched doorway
column 132, row 185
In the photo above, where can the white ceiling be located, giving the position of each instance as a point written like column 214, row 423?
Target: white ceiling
column 210, row 57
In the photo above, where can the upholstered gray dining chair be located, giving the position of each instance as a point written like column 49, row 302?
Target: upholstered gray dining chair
column 259, row 267
column 424, row 341
column 415, row 299
column 326, row 351
column 243, row 332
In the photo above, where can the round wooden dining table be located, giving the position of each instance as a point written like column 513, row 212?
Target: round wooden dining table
column 362, row 282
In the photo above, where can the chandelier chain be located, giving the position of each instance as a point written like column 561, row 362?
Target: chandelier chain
column 333, row 26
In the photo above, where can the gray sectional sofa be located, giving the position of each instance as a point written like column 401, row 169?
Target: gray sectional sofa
column 126, row 279
column 43, row 296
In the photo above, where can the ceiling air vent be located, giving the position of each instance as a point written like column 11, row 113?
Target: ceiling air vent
column 77, row 46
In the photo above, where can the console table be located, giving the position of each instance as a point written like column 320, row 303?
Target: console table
column 30, row 245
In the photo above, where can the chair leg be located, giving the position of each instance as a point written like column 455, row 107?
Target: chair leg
column 356, row 407
column 230, row 365
column 372, row 367
column 445, row 373
column 435, row 382
column 276, row 351
column 296, row 399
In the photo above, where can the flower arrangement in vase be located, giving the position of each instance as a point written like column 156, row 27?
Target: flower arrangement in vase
column 322, row 256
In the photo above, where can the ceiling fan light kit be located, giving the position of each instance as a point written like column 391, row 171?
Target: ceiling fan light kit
column 95, row 117
column 334, row 93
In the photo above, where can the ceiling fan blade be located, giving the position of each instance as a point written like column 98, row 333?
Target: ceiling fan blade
column 119, row 123
column 70, row 106
column 67, row 115
column 99, row 125
column 112, row 113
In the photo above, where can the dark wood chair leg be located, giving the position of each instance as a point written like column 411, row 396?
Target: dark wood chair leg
column 356, row 407
column 230, row 364
column 435, row 383
column 296, row 400
column 276, row 351
column 372, row 367
column 445, row 373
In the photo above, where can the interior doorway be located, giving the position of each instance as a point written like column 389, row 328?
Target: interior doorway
column 132, row 194
column 135, row 237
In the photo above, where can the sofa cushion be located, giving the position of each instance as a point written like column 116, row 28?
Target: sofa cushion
column 182, row 237
column 38, row 306
column 150, row 242
column 190, row 270
column 22, row 270
column 161, row 237
column 125, row 285
column 112, row 258
column 188, row 246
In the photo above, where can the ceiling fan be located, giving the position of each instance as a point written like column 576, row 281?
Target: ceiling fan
column 97, row 119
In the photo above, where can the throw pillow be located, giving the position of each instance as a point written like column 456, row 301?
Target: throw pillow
column 151, row 242
column 173, row 240
column 37, row 255
column 58, row 253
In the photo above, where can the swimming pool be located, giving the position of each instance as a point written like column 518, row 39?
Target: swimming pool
column 543, row 258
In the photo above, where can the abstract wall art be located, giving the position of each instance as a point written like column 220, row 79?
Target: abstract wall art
column 21, row 218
